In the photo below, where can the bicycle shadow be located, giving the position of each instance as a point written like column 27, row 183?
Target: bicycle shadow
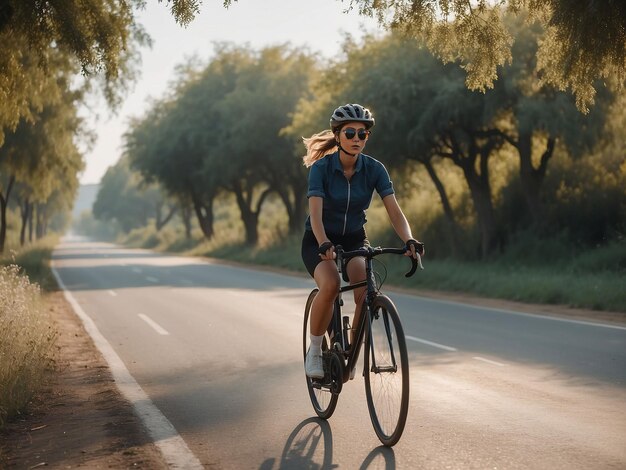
column 310, row 446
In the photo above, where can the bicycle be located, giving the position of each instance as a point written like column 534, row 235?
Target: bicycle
column 385, row 368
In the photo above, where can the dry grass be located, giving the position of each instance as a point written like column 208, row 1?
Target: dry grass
column 26, row 341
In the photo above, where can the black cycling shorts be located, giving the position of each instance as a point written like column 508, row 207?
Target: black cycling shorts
column 349, row 242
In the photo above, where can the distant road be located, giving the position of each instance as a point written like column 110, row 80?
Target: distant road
column 217, row 349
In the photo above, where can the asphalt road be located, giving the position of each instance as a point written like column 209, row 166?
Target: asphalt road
column 217, row 349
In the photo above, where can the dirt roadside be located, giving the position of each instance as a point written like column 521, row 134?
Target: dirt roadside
column 81, row 420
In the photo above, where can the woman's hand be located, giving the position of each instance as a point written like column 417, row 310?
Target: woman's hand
column 413, row 248
column 327, row 251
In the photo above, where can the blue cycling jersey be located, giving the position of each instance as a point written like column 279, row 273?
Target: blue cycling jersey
column 345, row 201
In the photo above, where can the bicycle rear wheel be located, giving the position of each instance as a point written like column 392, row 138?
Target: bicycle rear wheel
column 323, row 399
column 386, row 372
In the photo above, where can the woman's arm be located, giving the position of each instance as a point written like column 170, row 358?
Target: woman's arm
column 315, row 211
column 398, row 219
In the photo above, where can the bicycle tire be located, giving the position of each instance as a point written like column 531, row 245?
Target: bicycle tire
column 322, row 399
column 387, row 390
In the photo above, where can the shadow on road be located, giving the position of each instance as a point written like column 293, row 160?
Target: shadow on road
column 310, row 445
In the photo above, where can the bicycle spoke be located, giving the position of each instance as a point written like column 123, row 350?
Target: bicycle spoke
column 387, row 373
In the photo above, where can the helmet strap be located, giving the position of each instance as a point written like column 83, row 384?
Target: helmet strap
column 344, row 150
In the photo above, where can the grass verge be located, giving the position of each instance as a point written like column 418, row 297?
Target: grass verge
column 27, row 334
column 545, row 272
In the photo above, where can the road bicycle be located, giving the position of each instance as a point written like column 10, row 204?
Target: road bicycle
column 386, row 366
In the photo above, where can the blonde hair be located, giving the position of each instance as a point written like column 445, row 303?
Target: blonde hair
column 318, row 146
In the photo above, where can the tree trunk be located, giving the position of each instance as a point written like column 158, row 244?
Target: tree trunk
column 531, row 177
column 480, row 191
column 249, row 216
column 39, row 222
column 160, row 223
column 30, row 223
column 296, row 222
column 453, row 229
column 296, row 208
column 185, row 214
column 4, row 202
column 204, row 213
column 25, row 209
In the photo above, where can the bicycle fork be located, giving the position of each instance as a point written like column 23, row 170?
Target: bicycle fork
column 375, row 368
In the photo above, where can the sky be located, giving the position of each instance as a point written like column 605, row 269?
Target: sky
column 320, row 25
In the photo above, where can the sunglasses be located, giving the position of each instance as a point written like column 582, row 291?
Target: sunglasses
column 350, row 132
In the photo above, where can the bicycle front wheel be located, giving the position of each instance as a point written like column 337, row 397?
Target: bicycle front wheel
column 386, row 372
column 323, row 399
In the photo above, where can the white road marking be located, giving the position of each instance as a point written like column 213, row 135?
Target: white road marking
column 489, row 361
column 151, row 279
column 164, row 435
column 158, row 328
column 112, row 293
column 136, row 270
column 537, row 316
column 431, row 343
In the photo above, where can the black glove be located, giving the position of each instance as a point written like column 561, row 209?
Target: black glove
column 419, row 246
column 324, row 247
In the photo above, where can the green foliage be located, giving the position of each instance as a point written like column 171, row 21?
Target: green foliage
column 585, row 40
column 40, row 160
column 518, row 147
column 34, row 262
column 220, row 132
column 125, row 200
column 88, row 226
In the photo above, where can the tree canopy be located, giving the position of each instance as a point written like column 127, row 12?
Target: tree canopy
column 585, row 40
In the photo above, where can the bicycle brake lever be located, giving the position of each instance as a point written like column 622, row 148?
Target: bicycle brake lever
column 414, row 264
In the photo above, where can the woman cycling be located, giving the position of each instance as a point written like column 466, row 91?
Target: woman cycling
column 341, row 183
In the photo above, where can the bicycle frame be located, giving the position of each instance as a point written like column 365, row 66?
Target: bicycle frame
column 339, row 334
column 380, row 328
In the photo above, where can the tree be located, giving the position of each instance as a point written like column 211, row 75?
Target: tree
column 121, row 199
column 543, row 117
column 102, row 35
column 42, row 157
column 585, row 39
column 427, row 114
column 172, row 142
column 250, row 153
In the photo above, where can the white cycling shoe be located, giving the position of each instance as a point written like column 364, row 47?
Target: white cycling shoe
column 314, row 366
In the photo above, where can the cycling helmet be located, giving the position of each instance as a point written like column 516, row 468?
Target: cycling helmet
column 351, row 113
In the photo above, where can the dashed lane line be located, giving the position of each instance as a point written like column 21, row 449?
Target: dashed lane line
column 158, row 328
column 431, row 343
column 165, row 437
column 489, row 361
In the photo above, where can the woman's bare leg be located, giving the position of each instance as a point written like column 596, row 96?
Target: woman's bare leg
column 327, row 279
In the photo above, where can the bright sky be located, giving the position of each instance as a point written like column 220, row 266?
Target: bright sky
column 319, row 24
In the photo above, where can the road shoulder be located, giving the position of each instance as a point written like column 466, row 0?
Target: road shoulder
column 80, row 419
column 563, row 311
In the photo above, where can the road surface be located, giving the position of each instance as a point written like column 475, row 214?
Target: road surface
column 216, row 349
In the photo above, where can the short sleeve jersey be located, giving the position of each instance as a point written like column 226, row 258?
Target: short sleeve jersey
column 345, row 201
